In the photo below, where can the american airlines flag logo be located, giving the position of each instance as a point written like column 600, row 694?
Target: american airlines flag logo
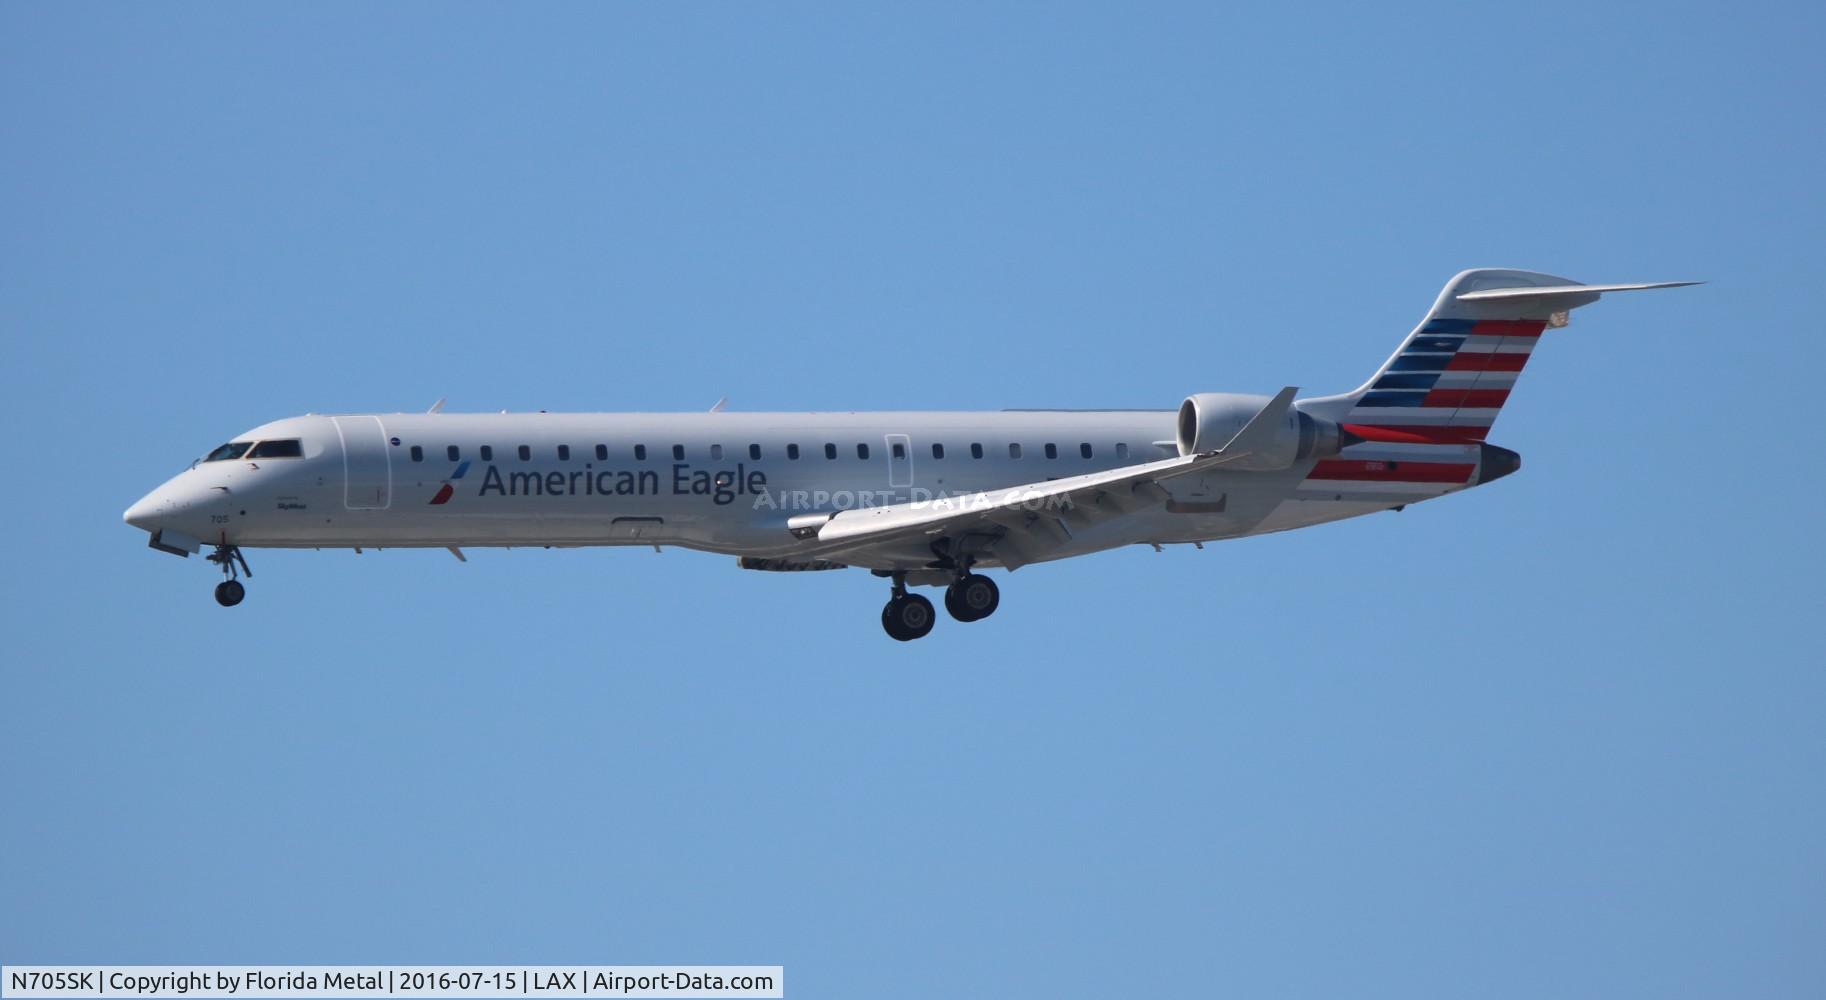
column 447, row 491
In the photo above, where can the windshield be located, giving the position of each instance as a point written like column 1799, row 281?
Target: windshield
column 233, row 449
column 291, row 448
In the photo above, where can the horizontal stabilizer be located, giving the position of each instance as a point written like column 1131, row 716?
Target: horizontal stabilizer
column 1553, row 291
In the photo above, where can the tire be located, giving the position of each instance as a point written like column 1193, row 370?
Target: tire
column 972, row 598
column 908, row 618
column 953, row 607
column 229, row 593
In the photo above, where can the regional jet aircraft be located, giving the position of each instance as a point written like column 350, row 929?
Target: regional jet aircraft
column 920, row 499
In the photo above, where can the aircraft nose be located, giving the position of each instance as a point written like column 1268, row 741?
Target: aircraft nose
column 175, row 501
column 144, row 512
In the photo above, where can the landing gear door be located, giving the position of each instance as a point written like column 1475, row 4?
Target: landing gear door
column 367, row 463
column 900, row 461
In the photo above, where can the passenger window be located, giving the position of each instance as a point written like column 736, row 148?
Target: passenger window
column 1014, row 450
column 754, row 452
column 830, row 451
column 640, row 453
column 526, row 453
column 488, row 453
column 862, row 451
column 938, row 450
column 1085, row 449
column 716, row 453
column 678, row 453
column 418, row 454
column 792, row 452
column 564, row 453
column 602, row 453
column 976, row 451
column 900, row 450
column 1052, row 450
column 278, row 449
column 1122, row 449
column 233, row 449
column 453, row 453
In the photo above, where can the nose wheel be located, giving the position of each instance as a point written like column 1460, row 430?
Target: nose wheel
column 230, row 591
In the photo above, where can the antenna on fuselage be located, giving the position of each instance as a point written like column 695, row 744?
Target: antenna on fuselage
column 435, row 407
column 718, row 408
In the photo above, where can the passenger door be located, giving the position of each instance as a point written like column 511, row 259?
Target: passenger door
column 367, row 463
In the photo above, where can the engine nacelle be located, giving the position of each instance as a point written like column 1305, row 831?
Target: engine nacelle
column 1209, row 420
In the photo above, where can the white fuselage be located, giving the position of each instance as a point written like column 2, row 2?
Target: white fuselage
column 721, row 482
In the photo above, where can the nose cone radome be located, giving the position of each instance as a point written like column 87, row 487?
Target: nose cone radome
column 143, row 513
column 176, row 504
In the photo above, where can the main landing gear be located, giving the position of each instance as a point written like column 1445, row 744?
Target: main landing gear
column 230, row 591
column 970, row 598
column 906, row 616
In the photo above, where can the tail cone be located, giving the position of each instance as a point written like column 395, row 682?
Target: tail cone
column 1495, row 463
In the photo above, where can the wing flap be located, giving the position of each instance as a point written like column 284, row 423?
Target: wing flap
column 990, row 505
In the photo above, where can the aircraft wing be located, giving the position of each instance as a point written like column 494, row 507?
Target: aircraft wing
column 1036, row 514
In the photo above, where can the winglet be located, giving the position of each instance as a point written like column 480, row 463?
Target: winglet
column 1260, row 431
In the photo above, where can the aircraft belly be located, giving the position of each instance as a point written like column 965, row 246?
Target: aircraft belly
column 524, row 521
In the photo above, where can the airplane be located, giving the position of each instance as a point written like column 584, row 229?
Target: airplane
column 922, row 499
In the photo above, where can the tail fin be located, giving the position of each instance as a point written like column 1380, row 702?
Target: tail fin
column 1451, row 376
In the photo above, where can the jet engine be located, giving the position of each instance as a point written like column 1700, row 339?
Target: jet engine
column 1209, row 421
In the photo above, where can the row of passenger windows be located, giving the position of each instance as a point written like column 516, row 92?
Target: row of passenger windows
column 487, row 452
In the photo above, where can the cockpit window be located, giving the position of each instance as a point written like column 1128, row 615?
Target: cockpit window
column 231, row 450
column 290, row 448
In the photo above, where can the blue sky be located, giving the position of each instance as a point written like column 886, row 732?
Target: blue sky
column 1560, row 736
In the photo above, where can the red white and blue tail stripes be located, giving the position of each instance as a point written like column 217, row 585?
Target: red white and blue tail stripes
column 1423, row 418
column 1447, row 383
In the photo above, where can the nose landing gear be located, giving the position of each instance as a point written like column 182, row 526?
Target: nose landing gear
column 230, row 591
